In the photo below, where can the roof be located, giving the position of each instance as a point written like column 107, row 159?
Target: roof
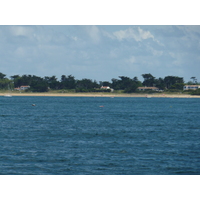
column 105, row 87
column 147, row 88
column 191, row 85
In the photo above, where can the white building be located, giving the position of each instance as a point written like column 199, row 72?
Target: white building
column 23, row 87
column 148, row 88
column 191, row 87
column 105, row 87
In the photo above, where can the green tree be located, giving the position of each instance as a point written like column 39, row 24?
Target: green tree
column 125, row 83
column 52, row 82
column 68, row 82
column 2, row 76
column 195, row 92
column 172, row 80
column 115, row 84
column 5, row 83
column 133, row 85
column 194, row 80
column 21, row 80
column 15, row 80
column 177, row 86
column 160, row 83
column 105, row 83
column 149, row 80
column 86, row 85
column 38, row 84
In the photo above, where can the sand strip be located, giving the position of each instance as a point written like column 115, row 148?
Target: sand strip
column 102, row 95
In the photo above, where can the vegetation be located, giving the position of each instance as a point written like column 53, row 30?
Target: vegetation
column 195, row 92
column 4, row 82
column 70, row 84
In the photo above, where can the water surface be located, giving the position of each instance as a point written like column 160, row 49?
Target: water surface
column 102, row 135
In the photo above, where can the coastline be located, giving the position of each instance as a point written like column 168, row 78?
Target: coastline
column 47, row 94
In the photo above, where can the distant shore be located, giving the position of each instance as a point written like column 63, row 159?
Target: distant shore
column 102, row 95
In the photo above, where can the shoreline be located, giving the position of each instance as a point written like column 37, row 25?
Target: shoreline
column 102, row 95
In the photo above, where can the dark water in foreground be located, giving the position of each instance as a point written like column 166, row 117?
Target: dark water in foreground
column 75, row 135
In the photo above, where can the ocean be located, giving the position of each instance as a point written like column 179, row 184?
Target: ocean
column 99, row 136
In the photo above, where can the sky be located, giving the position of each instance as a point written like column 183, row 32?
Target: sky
column 100, row 52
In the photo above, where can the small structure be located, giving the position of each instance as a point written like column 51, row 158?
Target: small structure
column 148, row 88
column 22, row 88
column 105, row 87
column 191, row 87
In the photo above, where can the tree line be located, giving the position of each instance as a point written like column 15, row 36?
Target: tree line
column 127, row 84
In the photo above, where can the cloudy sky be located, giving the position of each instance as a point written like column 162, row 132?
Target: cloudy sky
column 100, row 52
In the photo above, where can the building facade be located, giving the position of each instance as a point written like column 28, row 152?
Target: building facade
column 191, row 87
column 148, row 88
column 23, row 87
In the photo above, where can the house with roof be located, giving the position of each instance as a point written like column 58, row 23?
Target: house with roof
column 105, row 87
column 23, row 87
column 191, row 87
column 148, row 88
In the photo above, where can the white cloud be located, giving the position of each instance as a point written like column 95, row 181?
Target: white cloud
column 94, row 33
column 108, row 35
column 65, row 49
column 21, row 31
column 133, row 33
column 189, row 30
column 144, row 34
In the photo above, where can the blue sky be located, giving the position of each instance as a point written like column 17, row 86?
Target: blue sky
column 100, row 52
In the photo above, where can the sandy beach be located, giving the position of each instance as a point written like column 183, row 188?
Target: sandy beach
column 102, row 95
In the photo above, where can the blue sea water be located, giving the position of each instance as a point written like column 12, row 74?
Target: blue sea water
column 99, row 136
